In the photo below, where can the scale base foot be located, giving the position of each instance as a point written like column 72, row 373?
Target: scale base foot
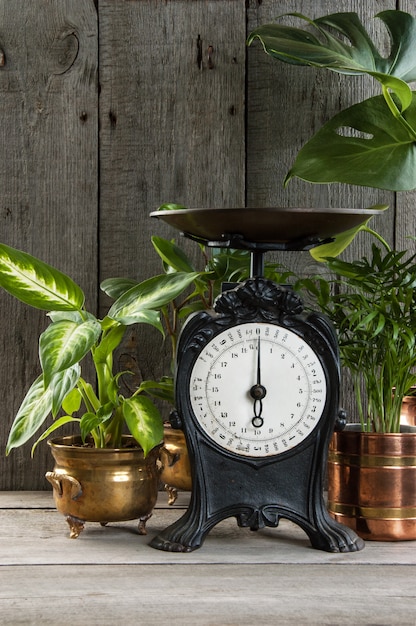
column 170, row 546
column 184, row 535
column 188, row 532
column 342, row 540
column 331, row 536
column 355, row 546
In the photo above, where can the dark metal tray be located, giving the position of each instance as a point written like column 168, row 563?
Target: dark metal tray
column 264, row 225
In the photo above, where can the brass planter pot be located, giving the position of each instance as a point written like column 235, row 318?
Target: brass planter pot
column 103, row 485
column 176, row 470
column 372, row 484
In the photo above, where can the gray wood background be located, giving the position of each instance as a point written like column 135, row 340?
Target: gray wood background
column 109, row 108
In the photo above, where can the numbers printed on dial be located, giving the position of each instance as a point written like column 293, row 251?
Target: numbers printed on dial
column 258, row 389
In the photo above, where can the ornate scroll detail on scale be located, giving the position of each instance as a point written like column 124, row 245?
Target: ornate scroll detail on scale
column 200, row 339
column 258, row 296
column 257, row 518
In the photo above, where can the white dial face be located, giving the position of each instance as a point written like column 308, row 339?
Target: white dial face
column 257, row 389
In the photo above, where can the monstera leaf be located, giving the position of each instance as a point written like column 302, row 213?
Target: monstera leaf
column 372, row 142
column 340, row 242
column 363, row 145
column 358, row 55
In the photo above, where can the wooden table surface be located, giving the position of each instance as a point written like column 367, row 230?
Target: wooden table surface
column 110, row 575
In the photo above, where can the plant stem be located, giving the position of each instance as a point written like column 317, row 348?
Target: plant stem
column 396, row 113
column 377, row 235
column 92, row 405
column 112, row 435
column 91, row 401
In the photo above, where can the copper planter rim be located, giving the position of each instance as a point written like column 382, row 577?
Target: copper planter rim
column 358, row 442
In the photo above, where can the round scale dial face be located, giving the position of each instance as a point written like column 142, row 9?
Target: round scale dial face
column 257, row 389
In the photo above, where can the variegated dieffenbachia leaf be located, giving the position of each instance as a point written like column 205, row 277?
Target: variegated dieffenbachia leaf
column 143, row 421
column 172, row 256
column 62, row 384
column 33, row 411
column 148, row 296
column 36, row 283
column 65, row 343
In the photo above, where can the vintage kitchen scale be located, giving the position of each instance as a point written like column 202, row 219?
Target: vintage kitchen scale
column 257, row 386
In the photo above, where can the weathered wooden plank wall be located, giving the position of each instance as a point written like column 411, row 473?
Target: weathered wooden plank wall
column 172, row 128
column 85, row 160
column 49, row 180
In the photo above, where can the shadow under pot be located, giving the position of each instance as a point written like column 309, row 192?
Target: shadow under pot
column 103, row 484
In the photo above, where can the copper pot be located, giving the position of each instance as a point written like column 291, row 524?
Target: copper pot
column 408, row 411
column 176, row 469
column 103, row 485
column 371, row 483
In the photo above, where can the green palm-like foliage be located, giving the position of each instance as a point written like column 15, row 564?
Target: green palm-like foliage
column 372, row 303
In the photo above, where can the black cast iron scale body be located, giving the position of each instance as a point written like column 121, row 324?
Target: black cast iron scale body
column 277, row 469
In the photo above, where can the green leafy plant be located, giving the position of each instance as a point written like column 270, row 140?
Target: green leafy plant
column 373, row 142
column 222, row 265
column 73, row 334
column 217, row 266
column 372, row 304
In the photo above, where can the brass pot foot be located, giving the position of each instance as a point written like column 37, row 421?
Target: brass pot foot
column 76, row 526
column 172, row 494
column 142, row 524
